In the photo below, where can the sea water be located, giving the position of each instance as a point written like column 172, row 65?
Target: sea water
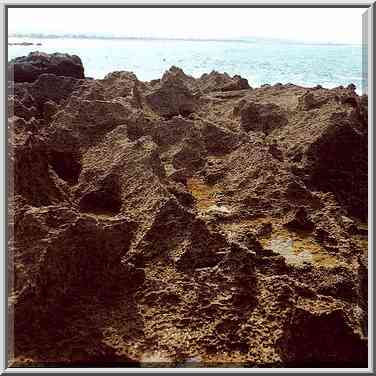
column 261, row 62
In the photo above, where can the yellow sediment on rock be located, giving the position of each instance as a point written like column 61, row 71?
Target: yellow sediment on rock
column 361, row 240
column 202, row 192
column 240, row 225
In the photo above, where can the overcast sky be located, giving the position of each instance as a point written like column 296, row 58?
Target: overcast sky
column 311, row 25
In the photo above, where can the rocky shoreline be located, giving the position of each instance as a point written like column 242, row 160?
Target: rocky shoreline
column 24, row 44
column 183, row 221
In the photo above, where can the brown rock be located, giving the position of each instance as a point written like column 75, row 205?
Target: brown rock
column 260, row 117
column 323, row 337
column 216, row 81
column 171, row 97
column 144, row 218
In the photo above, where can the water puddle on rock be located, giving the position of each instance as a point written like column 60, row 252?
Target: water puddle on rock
column 297, row 247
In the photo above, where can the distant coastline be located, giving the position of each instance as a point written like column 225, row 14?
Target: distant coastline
column 148, row 38
column 103, row 37
column 24, row 44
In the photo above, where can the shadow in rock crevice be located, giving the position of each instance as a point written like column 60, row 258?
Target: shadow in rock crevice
column 66, row 165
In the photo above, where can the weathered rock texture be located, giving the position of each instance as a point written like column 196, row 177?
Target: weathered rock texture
column 185, row 221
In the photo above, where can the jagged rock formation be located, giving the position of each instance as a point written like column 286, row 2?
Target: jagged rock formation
column 186, row 221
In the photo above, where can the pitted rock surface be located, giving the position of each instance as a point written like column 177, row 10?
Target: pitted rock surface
column 185, row 220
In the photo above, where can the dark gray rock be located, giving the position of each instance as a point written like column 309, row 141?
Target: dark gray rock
column 29, row 68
